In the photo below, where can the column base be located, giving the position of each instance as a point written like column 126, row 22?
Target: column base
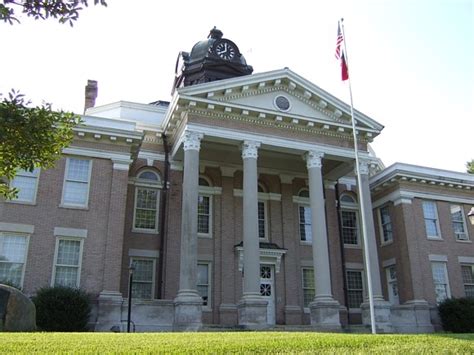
column 252, row 312
column 109, row 311
column 412, row 317
column 382, row 313
column 325, row 315
column 187, row 311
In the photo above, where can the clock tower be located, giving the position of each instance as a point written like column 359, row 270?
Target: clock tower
column 213, row 59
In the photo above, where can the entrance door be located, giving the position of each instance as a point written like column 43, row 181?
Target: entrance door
column 267, row 290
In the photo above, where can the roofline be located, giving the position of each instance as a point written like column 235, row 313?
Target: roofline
column 402, row 169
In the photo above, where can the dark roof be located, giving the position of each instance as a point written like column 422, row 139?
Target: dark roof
column 160, row 103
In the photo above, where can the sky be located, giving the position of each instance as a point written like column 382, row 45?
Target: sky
column 410, row 61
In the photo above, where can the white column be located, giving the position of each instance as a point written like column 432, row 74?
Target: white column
column 250, row 221
column 381, row 308
column 370, row 238
column 324, row 309
column 252, row 308
column 188, row 303
column 322, row 272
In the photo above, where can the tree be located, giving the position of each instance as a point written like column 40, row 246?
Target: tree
column 31, row 137
column 64, row 11
column 470, row 166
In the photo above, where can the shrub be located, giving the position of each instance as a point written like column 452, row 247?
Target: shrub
column 457, row 315
column 62, row 309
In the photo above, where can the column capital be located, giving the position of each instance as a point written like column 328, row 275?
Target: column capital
column 313, row 159
column 192, row 140
column 250, row 149
column 364, row 166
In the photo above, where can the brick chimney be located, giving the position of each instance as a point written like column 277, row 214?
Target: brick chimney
column 91, row 94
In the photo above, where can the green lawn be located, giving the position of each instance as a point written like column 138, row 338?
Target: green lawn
column 234, row 342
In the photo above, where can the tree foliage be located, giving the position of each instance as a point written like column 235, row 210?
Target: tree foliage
column 470, row 166
column 30, row 137
column 64, row 11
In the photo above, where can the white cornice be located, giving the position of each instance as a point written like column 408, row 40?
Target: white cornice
column 264, row 196
column 120, row 158
column 423, row 175
column 297, row 147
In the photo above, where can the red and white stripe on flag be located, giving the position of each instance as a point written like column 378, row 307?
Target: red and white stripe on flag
column 339, row 40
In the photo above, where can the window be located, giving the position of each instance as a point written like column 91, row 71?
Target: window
column 261, row 220
column 349, row 220
column 431, row 219
column 386, row 225
column 261, row 210
column 468, row 279
column 145, row 217
column 204, row 209
column 76, row 182
column 143, row 284
column 305, row 223
column 355, row 288
column 349, row 227
column 458, row 222
column 27, row 184
column 67, row 268
column 204, row 284
column 392, row 284
column 13, row 249
column 309, row 289
column 440, row 280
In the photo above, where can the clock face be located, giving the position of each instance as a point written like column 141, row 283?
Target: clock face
column 225, row 50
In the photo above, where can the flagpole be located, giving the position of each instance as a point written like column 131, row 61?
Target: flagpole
column 361, row 196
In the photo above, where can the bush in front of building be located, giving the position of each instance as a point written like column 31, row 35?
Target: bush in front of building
column 62, row 309
column 457, row 315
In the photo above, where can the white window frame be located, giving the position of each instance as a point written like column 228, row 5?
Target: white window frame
column 435, row 237
column 36, row 176
column 209, row 234
column 306, row 308
column 351, row 207
column 74, row 205
column 381, row 226
column 394, row 299
column 306, row 241
column 27, row 236
column 362, row 274
column 207, row 307
column 471, row 266
column 445, row 270
column 463, row 221
column 79, row 266
column 153, row 278
column 155, row 230
column 265, row 224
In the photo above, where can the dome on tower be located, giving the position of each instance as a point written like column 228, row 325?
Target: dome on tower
column 214, row 58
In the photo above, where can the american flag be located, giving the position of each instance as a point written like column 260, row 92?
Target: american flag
column 339, row 40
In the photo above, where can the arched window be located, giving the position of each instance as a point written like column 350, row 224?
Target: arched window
column 349, row 220
column 204, row 208
column 147, row 196
column 305, row 218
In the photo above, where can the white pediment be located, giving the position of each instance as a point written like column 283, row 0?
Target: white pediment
column 297, row 106
column 257, row 93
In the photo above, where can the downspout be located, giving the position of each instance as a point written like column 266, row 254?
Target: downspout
column 164, row 200
column 343, row 258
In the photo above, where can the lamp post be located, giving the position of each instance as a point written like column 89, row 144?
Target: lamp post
column 130, row 281
column 470, row 215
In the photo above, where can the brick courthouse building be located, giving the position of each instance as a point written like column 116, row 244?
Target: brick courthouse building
column 236, row 203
